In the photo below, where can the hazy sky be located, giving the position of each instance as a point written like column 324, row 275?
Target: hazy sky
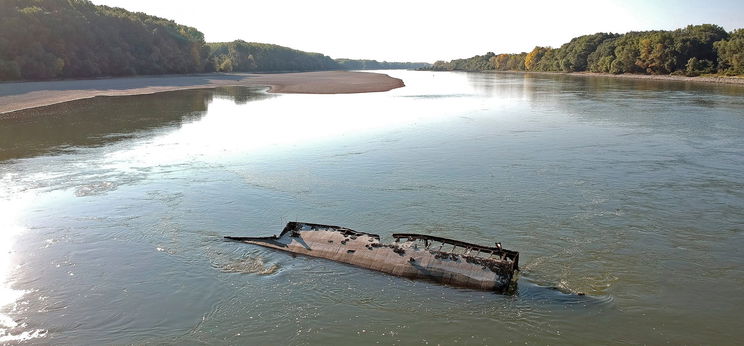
column 413, row 30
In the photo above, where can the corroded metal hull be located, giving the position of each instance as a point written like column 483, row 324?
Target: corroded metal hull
column 414, row 256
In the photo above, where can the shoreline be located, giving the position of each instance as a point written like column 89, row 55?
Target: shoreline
column 698, row 79
column 17, row 96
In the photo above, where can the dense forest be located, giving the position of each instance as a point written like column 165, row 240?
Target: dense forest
column 42, row 39
column 364, row 64
column 691, row 51
column 251, row 57
column 52, row 39
column 241, row 56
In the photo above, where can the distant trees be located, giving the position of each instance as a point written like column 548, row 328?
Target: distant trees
column 366, row 64
column 696, row 67
column 42, row 39
column 48, row 39
column 731, row 53
column 241, row 56
column 535, row 56
column 476, row 63
column 573, row 56
column 693, row 50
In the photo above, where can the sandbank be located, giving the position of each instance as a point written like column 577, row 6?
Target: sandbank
column 15, row 96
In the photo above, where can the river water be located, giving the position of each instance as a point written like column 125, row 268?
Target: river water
column 632, row 192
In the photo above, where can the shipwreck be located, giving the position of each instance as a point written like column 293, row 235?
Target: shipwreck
column 414, row 256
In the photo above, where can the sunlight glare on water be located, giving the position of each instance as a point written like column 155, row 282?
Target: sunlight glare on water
column 280, row 122
column 10, row 210
column 114, row 210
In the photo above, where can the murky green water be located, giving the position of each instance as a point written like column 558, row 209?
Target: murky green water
column 629, row 191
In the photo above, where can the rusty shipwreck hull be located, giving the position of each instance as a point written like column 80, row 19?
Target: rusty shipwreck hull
column 414, row 256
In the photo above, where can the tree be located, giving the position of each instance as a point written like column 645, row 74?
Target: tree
column 241, row 56
column 697, row 41
column 692, row 50
column 731, row 53
column 533, row 57
column 43, row 39
column 226, row 66
column 600, row 60
column 696, row 67
column 500, row 62
column 656, row 55
column 573, row 56
column 9, row 70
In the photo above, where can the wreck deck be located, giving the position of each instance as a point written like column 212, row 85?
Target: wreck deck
column 414, row 256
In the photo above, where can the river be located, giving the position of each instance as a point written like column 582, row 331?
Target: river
column 629, row 191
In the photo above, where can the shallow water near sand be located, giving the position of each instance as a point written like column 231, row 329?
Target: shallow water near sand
column 113, row 212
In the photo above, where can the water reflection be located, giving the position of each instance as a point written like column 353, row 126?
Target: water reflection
column 629, row 194
column 75, row 125
column 555, row 87
column 106, row 119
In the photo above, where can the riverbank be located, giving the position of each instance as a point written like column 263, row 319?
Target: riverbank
column 699, row 79
column 25, row 95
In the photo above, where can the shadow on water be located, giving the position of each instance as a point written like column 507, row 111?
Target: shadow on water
column 103, row 120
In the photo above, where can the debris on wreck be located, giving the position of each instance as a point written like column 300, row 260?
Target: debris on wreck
column 415, row 256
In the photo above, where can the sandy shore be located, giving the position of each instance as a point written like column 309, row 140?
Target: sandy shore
column 24, row 95
column 702, row 79
column 699, row 79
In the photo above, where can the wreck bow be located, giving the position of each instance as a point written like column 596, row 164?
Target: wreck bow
column 415, row 256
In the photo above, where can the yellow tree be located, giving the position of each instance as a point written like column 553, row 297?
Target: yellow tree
column 533, row 57
column 499, row 62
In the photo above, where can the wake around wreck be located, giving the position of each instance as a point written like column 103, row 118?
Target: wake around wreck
column 414, row 256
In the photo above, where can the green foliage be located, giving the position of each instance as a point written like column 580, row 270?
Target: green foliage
column 241, row 56
column 9, row 70
column 573, row 56
column 534, row 57
column 43, row 39
column 692, row 50
column 656, row 53
column 516, row 62
column 697, row 41
column 365, row 64
column 508, row 62
column 499, row 62
column 476, row 63
column 600, row 60
column 731, row 53
column 696, row 67
column 47, row 39
column 226, row 65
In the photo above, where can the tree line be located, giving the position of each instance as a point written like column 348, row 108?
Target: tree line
column 691, row 51
column 365, row 64
column 42, row 39
column 53, row 39
column 254, row 57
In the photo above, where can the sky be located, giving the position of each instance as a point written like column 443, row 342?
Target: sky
column 426, row 31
